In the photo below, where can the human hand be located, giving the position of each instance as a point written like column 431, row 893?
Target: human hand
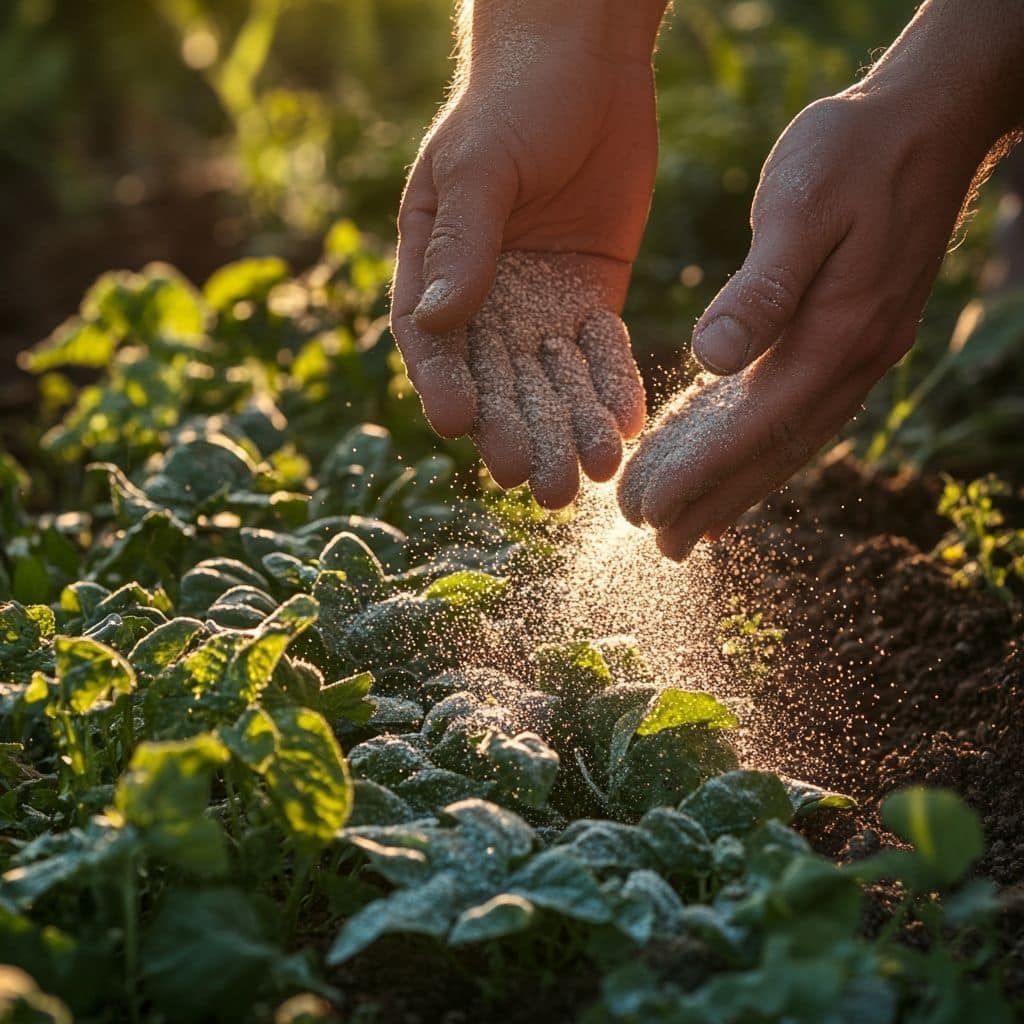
column 851, row 220
column 546, row 154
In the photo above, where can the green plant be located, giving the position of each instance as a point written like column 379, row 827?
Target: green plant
column 748, row 641
column 980, row 548
column 265, row 701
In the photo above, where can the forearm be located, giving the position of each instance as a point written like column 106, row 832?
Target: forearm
column 961, row 61
column 622, row 29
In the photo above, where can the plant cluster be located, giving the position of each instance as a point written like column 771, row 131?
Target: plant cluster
column 263, row 702
column 981, row 548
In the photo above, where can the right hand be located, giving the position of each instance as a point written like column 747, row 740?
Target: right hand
column 549, row 148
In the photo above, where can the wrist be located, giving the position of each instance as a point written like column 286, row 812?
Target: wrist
column 959, row 64
column 616, row 29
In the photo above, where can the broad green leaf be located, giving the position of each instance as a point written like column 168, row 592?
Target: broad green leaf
column 468, row 589
column 495, row 828
column 428, row 909
column 347, row 699
column 88, row 672
column 165, row 793
column 945, row 832
column 431, row 789
column 664, row 768
column 524, row 766
column 649, row 890
column 736, row 802
column 76, row 856
column 806, row 797
column 164, row 645
column 559, row 882
column 574, row 671
column 248, row 280
column 75, row 343
column 307, row 778
column 373, row 804
column 606, row 708
column 209, row 953
column 198, row 470
column 601, row 845
column 679, row 842
column 387, row 760
column 501, row 915
column 685, row 707
column 252, row 739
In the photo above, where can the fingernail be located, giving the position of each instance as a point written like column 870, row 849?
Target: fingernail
column 432, row 296
column 722, row 345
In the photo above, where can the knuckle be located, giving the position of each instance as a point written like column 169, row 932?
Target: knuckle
column 771, row 291
column 445, row 234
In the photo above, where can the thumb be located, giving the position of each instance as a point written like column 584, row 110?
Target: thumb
column 757, row 303
column 474, row 201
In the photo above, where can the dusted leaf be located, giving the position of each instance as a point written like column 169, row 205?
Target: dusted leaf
column 494, row 828
column 679, row 842
column 433, row 788
column 524, row 766
column 575, row 671
column 349, row 554
column 685, row 707
column 499, row 916
column 468, row 589
column 373, row 804
column 557, row 881
column 806, row 797
column 601, row 845
column 88, row 672
column 737, row 802
column 428, row 909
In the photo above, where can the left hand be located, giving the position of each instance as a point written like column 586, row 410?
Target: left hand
column 851, row 220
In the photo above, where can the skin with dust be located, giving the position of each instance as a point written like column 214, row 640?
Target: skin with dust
column 553, row 371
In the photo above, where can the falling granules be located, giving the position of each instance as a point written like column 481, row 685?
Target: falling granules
column 553, row 369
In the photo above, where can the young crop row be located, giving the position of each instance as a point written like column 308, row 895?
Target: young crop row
column 265, row 699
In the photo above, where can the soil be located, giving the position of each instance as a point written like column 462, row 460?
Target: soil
column 898, row 676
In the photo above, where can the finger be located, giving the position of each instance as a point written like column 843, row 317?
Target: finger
column 706, row 433
column 605, row 342
column 475, row 198
column 436, row 365
column 767, row 470
column 594, row 429
column 499, row 431
column 677, row 438
column 721, row 506
column 554, row 467
column 751, row 312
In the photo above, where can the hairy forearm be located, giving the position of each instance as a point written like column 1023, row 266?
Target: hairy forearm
column 625, row 29
column 961, row 61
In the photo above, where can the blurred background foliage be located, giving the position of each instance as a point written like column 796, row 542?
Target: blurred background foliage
column 197, row 131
